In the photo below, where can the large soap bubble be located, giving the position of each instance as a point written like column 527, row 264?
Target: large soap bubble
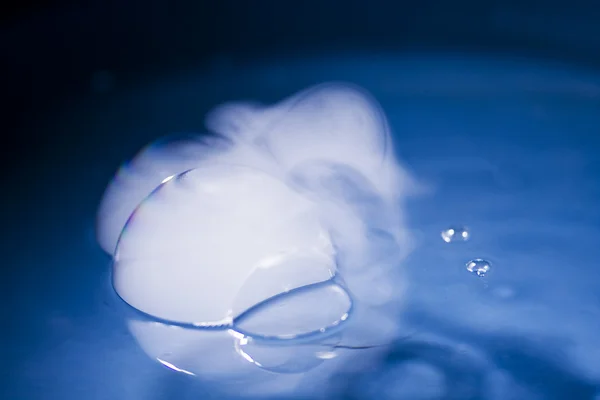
column 285, row 223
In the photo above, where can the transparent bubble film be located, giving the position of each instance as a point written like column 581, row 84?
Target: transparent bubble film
column 259, row 241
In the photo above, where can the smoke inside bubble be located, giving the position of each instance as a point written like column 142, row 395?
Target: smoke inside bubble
column 203, row 228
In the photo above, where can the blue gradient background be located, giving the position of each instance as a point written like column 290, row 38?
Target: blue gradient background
column 62, row 338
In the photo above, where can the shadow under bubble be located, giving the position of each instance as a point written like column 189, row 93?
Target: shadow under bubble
column 530, row 365
column 464, row 377
column 447, row 361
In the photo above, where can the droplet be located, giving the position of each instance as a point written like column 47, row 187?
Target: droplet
column 455, row 234
column 479, row 266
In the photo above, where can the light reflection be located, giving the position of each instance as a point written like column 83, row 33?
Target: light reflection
column 174, row 368
column 168, row 179
column 326, row 355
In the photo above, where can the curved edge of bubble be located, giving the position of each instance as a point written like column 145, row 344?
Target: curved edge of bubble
column 326, row 330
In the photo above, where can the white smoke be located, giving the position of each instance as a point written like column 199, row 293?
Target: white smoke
column 276, row 198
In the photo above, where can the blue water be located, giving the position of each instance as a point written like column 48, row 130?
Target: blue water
column 505, row 147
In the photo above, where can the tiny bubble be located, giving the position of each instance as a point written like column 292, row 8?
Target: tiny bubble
column 478, row 266
column 455, row 234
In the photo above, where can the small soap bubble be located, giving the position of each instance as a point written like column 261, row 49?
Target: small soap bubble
column 478, row 266
column 455, row 234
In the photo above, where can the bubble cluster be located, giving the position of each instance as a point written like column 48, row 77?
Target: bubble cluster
column 455, row 234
